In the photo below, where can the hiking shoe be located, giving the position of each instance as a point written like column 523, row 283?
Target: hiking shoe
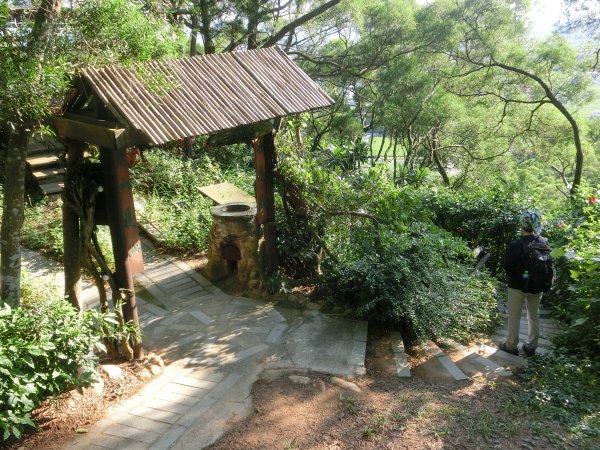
column 504, row 348
column 528, row 350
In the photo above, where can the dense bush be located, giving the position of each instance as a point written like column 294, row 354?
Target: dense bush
column 45, row 345
column 42, row 228
column 42, row 231
column 576, row 296
column 386, row 257
column 417, row 283
column 486, row 218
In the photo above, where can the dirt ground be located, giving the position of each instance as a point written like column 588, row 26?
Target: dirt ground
column 423, row 412
column 388, row 413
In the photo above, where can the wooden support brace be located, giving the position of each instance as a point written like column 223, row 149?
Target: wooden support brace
column 123, row 228
column 264, row 152
column 71, row 242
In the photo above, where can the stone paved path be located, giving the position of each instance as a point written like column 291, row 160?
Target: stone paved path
column 217, row 345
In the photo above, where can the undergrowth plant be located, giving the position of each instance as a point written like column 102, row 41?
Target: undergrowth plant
column 46, row 347
column 566, row 389
column 167, row 187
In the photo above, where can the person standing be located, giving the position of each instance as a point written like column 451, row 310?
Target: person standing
column 520, row 290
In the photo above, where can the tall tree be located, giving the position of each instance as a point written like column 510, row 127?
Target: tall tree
column 22, row 105
column 40, row 57
column 490, row 60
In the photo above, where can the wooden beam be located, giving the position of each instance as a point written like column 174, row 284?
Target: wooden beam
column 98, row 132
column 264, row 152
column 242, row 134
column 126, row 244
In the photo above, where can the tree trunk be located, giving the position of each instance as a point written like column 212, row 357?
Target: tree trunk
column 12, row 215
column 440, row 167
column 14, row 187
column 209, row 45
column 194, row 35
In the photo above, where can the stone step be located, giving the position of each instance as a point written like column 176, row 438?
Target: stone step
column 542, row 342
column 43, row 160
column 48, row 172
column 52, row 188
column 497, row 339
column 447, row 363
column 470, row 361
column 38, row 147
column 491, row 351
column 400, row 356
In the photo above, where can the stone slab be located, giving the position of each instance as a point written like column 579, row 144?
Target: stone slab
column 225, row 193
column 327, row 344
column 167, row 439
column 206, row 320
column 452, row 368
column 134, row 434
column 400, row 357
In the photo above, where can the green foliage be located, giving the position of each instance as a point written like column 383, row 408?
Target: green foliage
column 27, row 83
column 166, row 186
column 111, row 31
column 45, row 348
column 565, row 389
column 417, row 282
column 42, row 228
column 42, row 231
column 577, row 291
column 486, row 218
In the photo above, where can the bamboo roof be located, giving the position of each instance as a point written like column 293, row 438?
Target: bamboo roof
column 201, row 95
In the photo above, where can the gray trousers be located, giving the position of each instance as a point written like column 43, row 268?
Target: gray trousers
column 516, row 298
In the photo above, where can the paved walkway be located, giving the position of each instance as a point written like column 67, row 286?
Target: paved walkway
column 216, row 345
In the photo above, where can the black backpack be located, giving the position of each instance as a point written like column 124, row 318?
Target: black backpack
column 539, row 265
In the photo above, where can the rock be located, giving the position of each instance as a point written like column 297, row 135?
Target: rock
column 155, row 359
column 338, row 309
column 299, row 379
column 320, row 385
column 145, row 374
column 255, row 293
column 295, row 298
column 113, row 372
column 96, row 389
column 155, row 369
column 313, row 306
column 344, row 384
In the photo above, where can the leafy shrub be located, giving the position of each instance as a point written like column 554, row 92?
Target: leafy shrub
column 42, row 231
column 42, row 228
column 416, row 283
column 577, row 291
column 183, row 225
column 486, row 218
column 43, row 346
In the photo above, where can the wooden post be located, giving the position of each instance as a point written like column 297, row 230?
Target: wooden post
column 264, row 154
column 123, row 229
column 71, row 241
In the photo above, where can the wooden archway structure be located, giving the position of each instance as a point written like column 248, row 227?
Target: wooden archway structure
column 231, row 98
